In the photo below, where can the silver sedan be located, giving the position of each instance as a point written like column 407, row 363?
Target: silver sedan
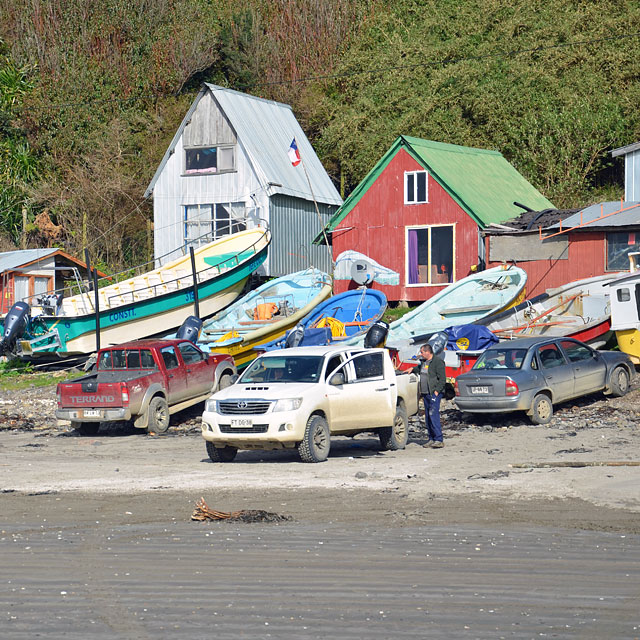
column 533, row 374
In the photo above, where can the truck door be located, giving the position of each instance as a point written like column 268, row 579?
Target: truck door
column 364, row 400
column 176, row 376
column 199, row 373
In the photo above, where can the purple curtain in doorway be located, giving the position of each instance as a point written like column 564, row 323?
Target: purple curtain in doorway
column 413, row 256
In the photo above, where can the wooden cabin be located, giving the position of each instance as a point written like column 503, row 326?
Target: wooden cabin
column 416, row 218
column 594, row 241
column 27, row 273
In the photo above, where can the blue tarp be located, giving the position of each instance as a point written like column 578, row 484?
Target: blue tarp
column 311, row 338
column 469, row 337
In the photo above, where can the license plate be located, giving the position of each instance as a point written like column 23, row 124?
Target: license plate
column 91, row 413
column 241, row 422
column 479, row 390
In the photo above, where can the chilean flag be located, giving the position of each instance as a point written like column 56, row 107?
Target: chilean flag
column 294, row 154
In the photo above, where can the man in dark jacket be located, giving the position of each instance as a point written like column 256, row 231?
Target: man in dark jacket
column 432, row 380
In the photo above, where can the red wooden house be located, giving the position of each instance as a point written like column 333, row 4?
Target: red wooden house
column 417, row 216
column 27, row 273
column 595, row 241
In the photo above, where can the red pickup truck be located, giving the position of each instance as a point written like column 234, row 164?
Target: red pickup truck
column 144, row 381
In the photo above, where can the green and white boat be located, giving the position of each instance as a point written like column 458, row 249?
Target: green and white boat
column 141, row 306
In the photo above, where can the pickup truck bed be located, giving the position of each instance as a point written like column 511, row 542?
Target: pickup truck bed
column 144, row 381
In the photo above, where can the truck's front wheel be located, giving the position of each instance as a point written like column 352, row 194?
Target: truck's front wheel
column 395, row 437
column 221, row 454
column 86, row 428
column 158, row 415
column 316, row 442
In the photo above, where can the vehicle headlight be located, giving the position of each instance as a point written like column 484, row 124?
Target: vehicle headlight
column 287, row 404
column 211, row 406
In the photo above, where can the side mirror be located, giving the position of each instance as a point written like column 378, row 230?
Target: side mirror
column 337, row 379
column 234, row 378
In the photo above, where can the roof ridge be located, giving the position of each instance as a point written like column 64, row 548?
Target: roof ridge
column 447, row 146
column 216, row 87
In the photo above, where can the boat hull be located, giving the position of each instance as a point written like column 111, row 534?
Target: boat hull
column 76, row 335
column 234, row 334
column 629, row 343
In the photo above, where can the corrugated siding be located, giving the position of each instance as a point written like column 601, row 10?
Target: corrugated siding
column 632, row 175
column 294, row 223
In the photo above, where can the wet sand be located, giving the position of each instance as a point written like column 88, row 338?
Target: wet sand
column 96, row 539
column 118, row 566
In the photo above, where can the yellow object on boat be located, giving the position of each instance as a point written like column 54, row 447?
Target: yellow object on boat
column 227, row 336
column 337, row 327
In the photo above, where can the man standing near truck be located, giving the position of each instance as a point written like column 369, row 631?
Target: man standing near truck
column 432, row 381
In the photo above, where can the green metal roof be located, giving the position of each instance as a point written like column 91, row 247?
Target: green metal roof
column 481, row 181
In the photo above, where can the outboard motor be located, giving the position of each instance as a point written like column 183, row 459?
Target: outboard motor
column 438, row 342
column 14, row 325
column 294, row 337
column 377, row 334
column 190, row 329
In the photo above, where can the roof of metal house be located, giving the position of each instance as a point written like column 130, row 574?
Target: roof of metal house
column 620, row 151
column 629, row 215
column 481, row 181
column 15, row 259
column 532, row 220
column 23, row 258
column 265, row 129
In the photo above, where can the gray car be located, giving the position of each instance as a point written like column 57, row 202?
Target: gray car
column 533, row 374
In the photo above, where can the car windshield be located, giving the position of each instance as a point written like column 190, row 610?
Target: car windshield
column 283, row 369
column 503, row 358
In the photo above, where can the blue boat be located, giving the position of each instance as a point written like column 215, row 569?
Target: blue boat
column 344, row 316
column 264, row 314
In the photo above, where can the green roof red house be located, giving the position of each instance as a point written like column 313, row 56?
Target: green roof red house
column 419, row 213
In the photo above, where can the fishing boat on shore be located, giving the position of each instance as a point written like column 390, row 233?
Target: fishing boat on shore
column 139, row 306
column 264, row 314
column 578, row 309
column 343, row 316
column 463, row 302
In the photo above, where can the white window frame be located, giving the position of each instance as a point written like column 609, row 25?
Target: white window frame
column 415, row 190
column 212, row 224
column 222, row 151
column 406, row 255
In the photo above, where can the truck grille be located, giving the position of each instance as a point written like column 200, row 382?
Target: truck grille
column 256, row 428
column 244, row 407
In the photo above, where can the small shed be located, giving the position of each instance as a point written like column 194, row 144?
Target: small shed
column 27, row 273
column 419, row 213
column 228, row 169
column 594, row 241
column 631, row 155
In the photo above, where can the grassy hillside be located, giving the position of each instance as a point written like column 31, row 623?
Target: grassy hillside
column 91, row 93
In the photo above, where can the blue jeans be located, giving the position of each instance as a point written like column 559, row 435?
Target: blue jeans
column 432, row 416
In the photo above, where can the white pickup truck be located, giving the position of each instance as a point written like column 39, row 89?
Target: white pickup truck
column 299, row 398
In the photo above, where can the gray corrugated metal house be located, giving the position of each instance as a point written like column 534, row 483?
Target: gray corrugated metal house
column 631, row 155
column 227, row 168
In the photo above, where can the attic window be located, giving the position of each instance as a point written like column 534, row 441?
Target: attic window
column 415, row 187
column 201, row 160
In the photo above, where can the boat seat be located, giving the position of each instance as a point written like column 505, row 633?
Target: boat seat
column 157, row 286
column 453, row 310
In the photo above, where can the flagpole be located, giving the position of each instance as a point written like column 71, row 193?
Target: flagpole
column 326, row 240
